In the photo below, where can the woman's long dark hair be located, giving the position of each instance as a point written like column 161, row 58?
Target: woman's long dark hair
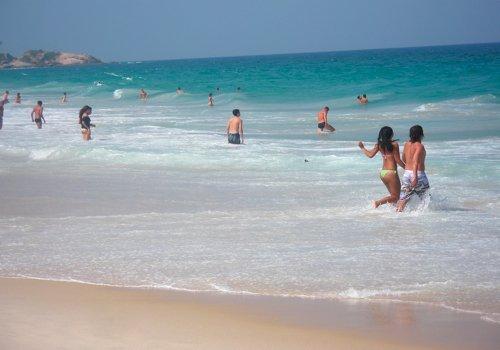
column 83, row 110
column 385, row 139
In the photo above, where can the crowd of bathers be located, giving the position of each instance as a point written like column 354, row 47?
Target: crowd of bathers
column 412, row 160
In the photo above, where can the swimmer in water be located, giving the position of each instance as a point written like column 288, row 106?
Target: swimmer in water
column 363, row 99
column 18, row 98
column 210, row 100
column 143, row 95
column 234, row 128
column 415, row 180
column 37, row 115
column 323, row 120
column 179, row 91
column 85, row 122
column 64, row 97
column 389, row 149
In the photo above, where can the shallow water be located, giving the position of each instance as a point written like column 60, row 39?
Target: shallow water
column 159, row 198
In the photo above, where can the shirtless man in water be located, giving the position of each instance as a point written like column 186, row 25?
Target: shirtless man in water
column 414, row 179
column 323, row 120
column 37, row 112
column 235, row 128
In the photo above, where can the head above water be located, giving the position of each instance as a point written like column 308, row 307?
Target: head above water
column 236, row 112
column 326, row 108
column 39, row 103
column 64, row 93
column 416, row 133
column 364, row 95
column 210, row 94
column 385, row 140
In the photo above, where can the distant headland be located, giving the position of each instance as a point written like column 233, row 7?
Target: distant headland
column 40, row 58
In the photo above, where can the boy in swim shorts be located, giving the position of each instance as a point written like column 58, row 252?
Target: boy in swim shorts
column 37, row 112
column 415, row 180
column 322, row 118
column 234, row 128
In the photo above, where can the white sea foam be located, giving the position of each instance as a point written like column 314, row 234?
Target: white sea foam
column 117, row 94
column 169, row 204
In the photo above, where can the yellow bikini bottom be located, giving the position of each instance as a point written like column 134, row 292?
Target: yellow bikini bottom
column 384, row 172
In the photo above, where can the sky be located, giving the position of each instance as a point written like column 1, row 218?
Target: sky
column 128, row 30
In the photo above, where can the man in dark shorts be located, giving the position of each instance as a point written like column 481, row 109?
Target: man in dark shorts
column 235, row 128
column 37, row 115
column 323, row 120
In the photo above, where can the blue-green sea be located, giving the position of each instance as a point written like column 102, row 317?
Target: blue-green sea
column 159, row 198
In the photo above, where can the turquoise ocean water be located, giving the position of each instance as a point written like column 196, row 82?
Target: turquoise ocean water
column 199, row 214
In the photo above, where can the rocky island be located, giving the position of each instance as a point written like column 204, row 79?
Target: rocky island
column 40, row 58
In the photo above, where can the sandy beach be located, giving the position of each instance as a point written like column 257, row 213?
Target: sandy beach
column 36, row 314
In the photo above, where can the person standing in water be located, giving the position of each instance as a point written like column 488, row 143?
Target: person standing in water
column 64, row 98
column 234, row 128
column 143, row 95
column 323, row 120
column 85, row 122
column 415, row 180
column 18, row 98
column 37, row 115
column 389, row 149
column 210, row 100
column 5, row 99
column 179, row 90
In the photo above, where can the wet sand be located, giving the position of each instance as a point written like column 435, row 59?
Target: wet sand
column 36, row 314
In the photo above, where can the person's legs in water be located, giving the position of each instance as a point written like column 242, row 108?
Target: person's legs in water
column 321, row 126
column 38, row 123
column 407, row 191
column 85, row 134
column 390, row 179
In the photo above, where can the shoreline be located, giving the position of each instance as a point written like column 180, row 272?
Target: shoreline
column 481, row 316
column 45, row 314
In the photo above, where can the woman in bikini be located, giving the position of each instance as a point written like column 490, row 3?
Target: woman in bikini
column 85, row 122
column 389, row 149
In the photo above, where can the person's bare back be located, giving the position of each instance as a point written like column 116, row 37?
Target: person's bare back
column 234, row 128
column 414, row 178
column 414, row 156
column 234, row 125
